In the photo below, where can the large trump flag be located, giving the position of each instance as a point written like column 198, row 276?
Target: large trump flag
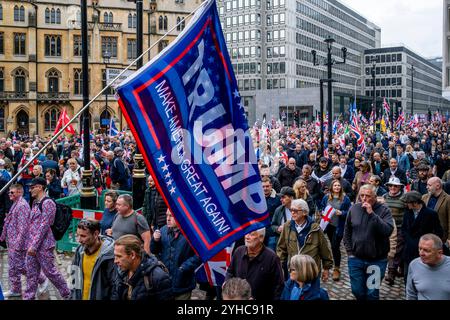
column 186, row 114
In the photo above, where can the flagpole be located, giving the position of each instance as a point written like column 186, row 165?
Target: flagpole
column 35, row 156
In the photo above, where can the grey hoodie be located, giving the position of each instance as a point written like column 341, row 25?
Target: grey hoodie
column 103, row 274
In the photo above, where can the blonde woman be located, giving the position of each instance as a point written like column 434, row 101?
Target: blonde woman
column 301, row 192
column 303, row 282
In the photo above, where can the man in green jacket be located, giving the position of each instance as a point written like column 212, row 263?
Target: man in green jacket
column 302, row 236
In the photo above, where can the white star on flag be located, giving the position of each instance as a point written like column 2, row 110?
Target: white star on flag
column 236, row 94
column 172, row 190
column 169, row 183
column 165, row 168
column 167, row 176
column 161, row 158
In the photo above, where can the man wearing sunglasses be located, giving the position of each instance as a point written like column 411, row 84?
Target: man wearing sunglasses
column 93, row 265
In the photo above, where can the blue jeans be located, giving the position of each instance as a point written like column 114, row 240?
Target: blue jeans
column 366, row 277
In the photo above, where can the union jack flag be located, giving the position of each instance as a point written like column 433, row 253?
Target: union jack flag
column 214, row 270
column 413, row 122
column 372, row 118
column 354, row 126
column 400, row 120
column 386, row 107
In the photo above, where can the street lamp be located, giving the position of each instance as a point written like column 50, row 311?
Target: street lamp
column 329, row 63
column 374, row 99
column 106, row 57
column 139, row 166
column 88, row 197
column 412, row 90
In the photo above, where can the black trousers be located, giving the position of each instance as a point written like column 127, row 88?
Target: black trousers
column 335, row 244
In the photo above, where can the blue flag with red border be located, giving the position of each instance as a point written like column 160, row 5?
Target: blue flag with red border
column 186, row 114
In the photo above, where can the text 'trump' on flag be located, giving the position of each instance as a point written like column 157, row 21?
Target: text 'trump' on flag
column 185, row 112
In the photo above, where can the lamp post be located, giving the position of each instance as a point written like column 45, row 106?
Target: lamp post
column 139, row 166
column 374, row 99
column 329, row 63
column 412, row 90
column 88, row 197
column 106, row 57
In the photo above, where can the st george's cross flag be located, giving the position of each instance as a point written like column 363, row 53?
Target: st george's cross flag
column 62, row 121
column 327, row 214
column 185, row 112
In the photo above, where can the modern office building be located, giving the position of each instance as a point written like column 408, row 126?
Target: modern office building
column 400, row 72
column 40, row 56
column 446, row 50
column 270, row 43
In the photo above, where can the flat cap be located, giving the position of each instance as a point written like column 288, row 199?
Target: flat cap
column 412, row 196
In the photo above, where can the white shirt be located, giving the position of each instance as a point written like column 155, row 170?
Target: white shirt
column 299, row 228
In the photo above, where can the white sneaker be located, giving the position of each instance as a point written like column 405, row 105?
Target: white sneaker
column 9, row 294
column 42, row 287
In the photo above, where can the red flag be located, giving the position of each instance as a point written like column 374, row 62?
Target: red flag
column 62, row 121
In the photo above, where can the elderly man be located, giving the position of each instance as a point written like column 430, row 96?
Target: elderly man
column 426, row 273
column 378, row 164
column 394, row 170
column 288, row 174
column 367, row 230
column 303, row 236
column 258, row 265
column 418, row 220
column 438, row 200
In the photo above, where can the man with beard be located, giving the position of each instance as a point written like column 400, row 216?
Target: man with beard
column 323, row 171
column 312, row 184
column 420, row 185
column 378, row 165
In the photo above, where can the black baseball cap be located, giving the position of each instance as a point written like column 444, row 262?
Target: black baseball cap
column 323, row 159
column 40, row 181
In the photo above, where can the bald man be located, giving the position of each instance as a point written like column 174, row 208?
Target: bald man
column 438, row 200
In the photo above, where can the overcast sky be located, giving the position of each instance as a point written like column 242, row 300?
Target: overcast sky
column 416, row 24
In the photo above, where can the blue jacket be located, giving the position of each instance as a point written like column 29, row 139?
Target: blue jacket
column 177, row 255
column 310, row 291
column 345, row 206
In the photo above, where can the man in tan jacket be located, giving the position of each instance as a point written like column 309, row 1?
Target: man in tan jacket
column 438, row 200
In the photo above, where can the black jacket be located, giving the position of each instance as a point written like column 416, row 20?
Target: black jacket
column 288, row 176
column 366, row 236
column 158, row 287
column 427, row 221
column 399, row 174
column 54, row 189
column 263, row 273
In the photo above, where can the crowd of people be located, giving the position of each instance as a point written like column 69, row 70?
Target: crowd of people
column 387, row 206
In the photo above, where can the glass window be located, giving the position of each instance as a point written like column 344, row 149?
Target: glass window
column 19, row 43
column 131, row 49
column 109, row 44
column 53, row 45
column 47, row 15
column 399, row 57
column 388, row 58
column 77, row 46
column 77, row 81
column 399, row 69
column 399, row 93
column 2, row 80
column 51, row 119
column 1, row 12
column 383, row 58
column 19, row 81
column 2, row 49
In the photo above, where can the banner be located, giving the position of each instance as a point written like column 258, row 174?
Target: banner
column 185, row 111
column 214, row 270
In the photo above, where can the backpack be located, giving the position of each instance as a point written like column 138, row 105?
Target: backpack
column 63, row 218
column 164, row 276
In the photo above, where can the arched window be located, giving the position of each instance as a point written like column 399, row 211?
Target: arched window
column 183, row 24
column 19, row 81
column 165, row 22
column 53, row 81
column 79, row 16
column 134, row 21
column 58, row 16
column 53, row 16
column 16, row 13
column 22, row 13
column 47, row 15
column 130, row 20
column 78, row 81
column 160, row 24
column 178, row 24
column 105, row 17
column 1, row 12
column 51, row 117
column 110, row 17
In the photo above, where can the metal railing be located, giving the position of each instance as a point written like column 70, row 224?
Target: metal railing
column 53, row 96
column 13, row 95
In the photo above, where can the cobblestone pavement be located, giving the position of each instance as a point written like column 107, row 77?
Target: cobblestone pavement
column 337, row 290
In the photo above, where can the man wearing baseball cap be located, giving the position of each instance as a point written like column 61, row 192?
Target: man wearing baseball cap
column 418, row 220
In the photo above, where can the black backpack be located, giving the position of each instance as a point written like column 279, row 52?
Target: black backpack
column 63, row 218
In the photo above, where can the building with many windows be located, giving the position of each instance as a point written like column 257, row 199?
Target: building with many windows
column 270, row 43
column 40, row 56
column 400, row 72
column 446, row 51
